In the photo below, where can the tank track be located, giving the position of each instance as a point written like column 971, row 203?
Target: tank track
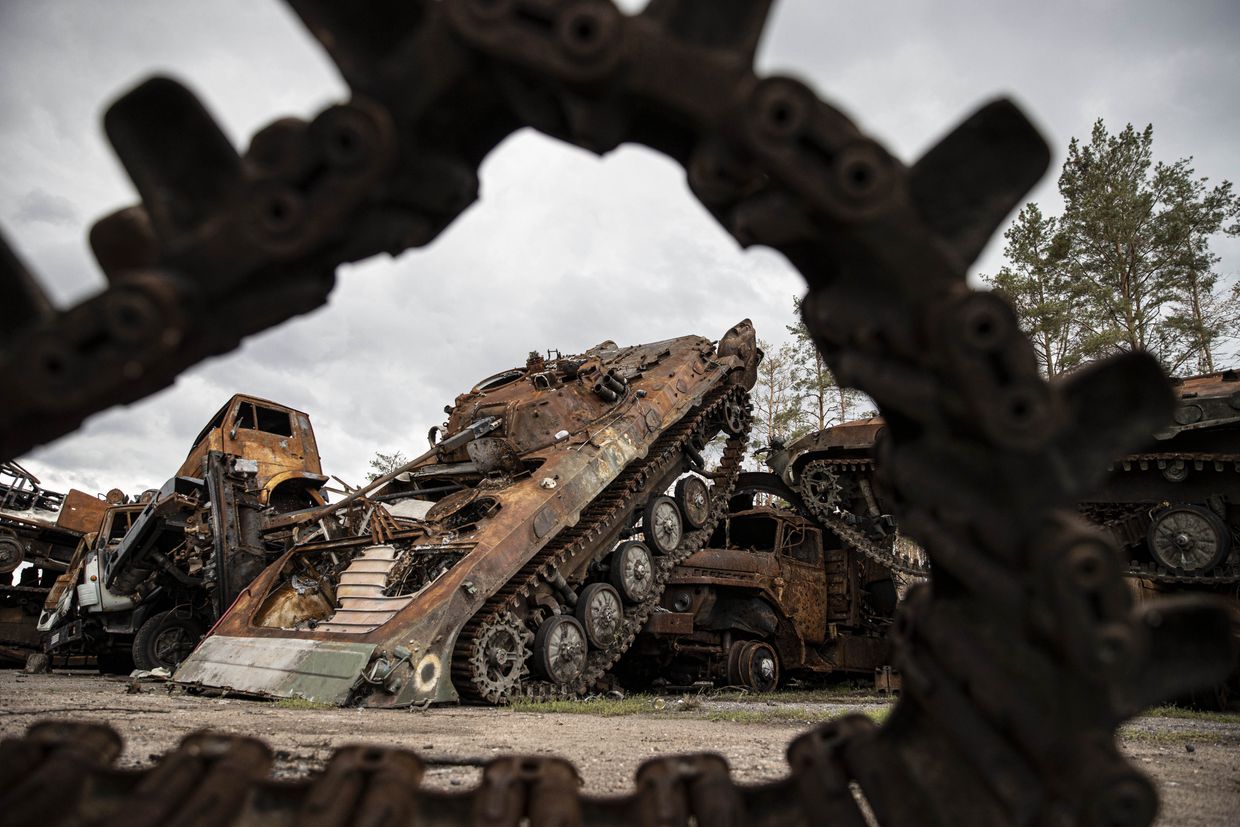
column 917, row 565
column 1128, row 522
column 598, row 520
column 886, row 555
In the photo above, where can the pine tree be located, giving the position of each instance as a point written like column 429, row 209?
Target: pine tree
column 1137, row 235
column 776, row 403
column 1128, row 266
column 823, row 400
column 1037, row 282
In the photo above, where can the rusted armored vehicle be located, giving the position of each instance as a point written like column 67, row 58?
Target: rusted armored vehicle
column 830, row 475
column 1174, row 506
column 520, row 555
column 39, row 530
column 772, row 595
column 161, row 572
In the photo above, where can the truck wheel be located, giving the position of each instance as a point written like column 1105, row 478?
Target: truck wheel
column 164, row 640
column 632, row 571
column 662, row 526
column 753, row 665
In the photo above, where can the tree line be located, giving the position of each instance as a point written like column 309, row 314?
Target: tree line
column 1127, row 265
column 796, row 393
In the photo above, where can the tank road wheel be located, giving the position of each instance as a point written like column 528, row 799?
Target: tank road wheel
column 498, row 662
column 1189, row 539
column 164, row 640
column 693, row 496
column 601, row 614
column 753, row 665
column 560, row 649
column 632, row 571
column 733, row 416
column 661, row 525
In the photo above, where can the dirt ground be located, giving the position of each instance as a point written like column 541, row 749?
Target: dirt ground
column 1194, row 760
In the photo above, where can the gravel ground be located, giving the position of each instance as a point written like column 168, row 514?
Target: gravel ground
column 1194, row 761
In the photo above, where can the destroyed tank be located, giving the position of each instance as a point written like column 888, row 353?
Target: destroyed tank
column 520, row 555
column 830, row 475
column 1173, row 507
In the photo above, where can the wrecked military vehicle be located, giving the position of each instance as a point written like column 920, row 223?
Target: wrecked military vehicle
column 830, row 474
column 1173, row 507
column 160, row 573
column 520, row 555
column 772, row 595
column 39, row 530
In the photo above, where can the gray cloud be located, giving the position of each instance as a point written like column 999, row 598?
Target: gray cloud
column 565, row 249
column 40, row 206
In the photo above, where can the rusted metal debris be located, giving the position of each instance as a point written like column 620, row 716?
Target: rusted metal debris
column 1172, row 506
column 772, row 595
column 519, row 556
column 1023, row 654
column 159, row 573
column 39, row 528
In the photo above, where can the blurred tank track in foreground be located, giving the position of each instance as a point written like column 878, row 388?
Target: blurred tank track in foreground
column 1021, row 656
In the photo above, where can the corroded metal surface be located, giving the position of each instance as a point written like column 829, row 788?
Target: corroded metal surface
column 39, row 531
column 1022, row 655
column 766, row 576
column 449, row 568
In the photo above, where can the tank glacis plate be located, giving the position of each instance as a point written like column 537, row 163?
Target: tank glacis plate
column 507, row 560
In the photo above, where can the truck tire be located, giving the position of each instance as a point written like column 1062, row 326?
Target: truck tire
column 165, row 639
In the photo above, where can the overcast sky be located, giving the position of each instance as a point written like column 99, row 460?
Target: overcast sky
column 564, row 249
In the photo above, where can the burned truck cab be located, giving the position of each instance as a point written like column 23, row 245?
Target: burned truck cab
column 772, row 595
column 279, row 439
column 82, row 616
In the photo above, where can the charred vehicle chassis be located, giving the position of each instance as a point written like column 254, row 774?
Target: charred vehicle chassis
column 1022, row 655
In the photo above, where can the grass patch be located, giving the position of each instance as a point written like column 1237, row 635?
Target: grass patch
column 1169, row 737
column 1172, row 711
column 302, row 703
column 690, row 706
column 828, row 695
column 788, row 715
column 603, row 707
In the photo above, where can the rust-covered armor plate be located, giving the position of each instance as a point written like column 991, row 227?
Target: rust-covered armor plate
column 520, row 555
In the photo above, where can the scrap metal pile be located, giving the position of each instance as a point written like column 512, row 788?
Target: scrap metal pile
column 1022, row 655
column 160, row 572
column 39, row 532
column 505, row 560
